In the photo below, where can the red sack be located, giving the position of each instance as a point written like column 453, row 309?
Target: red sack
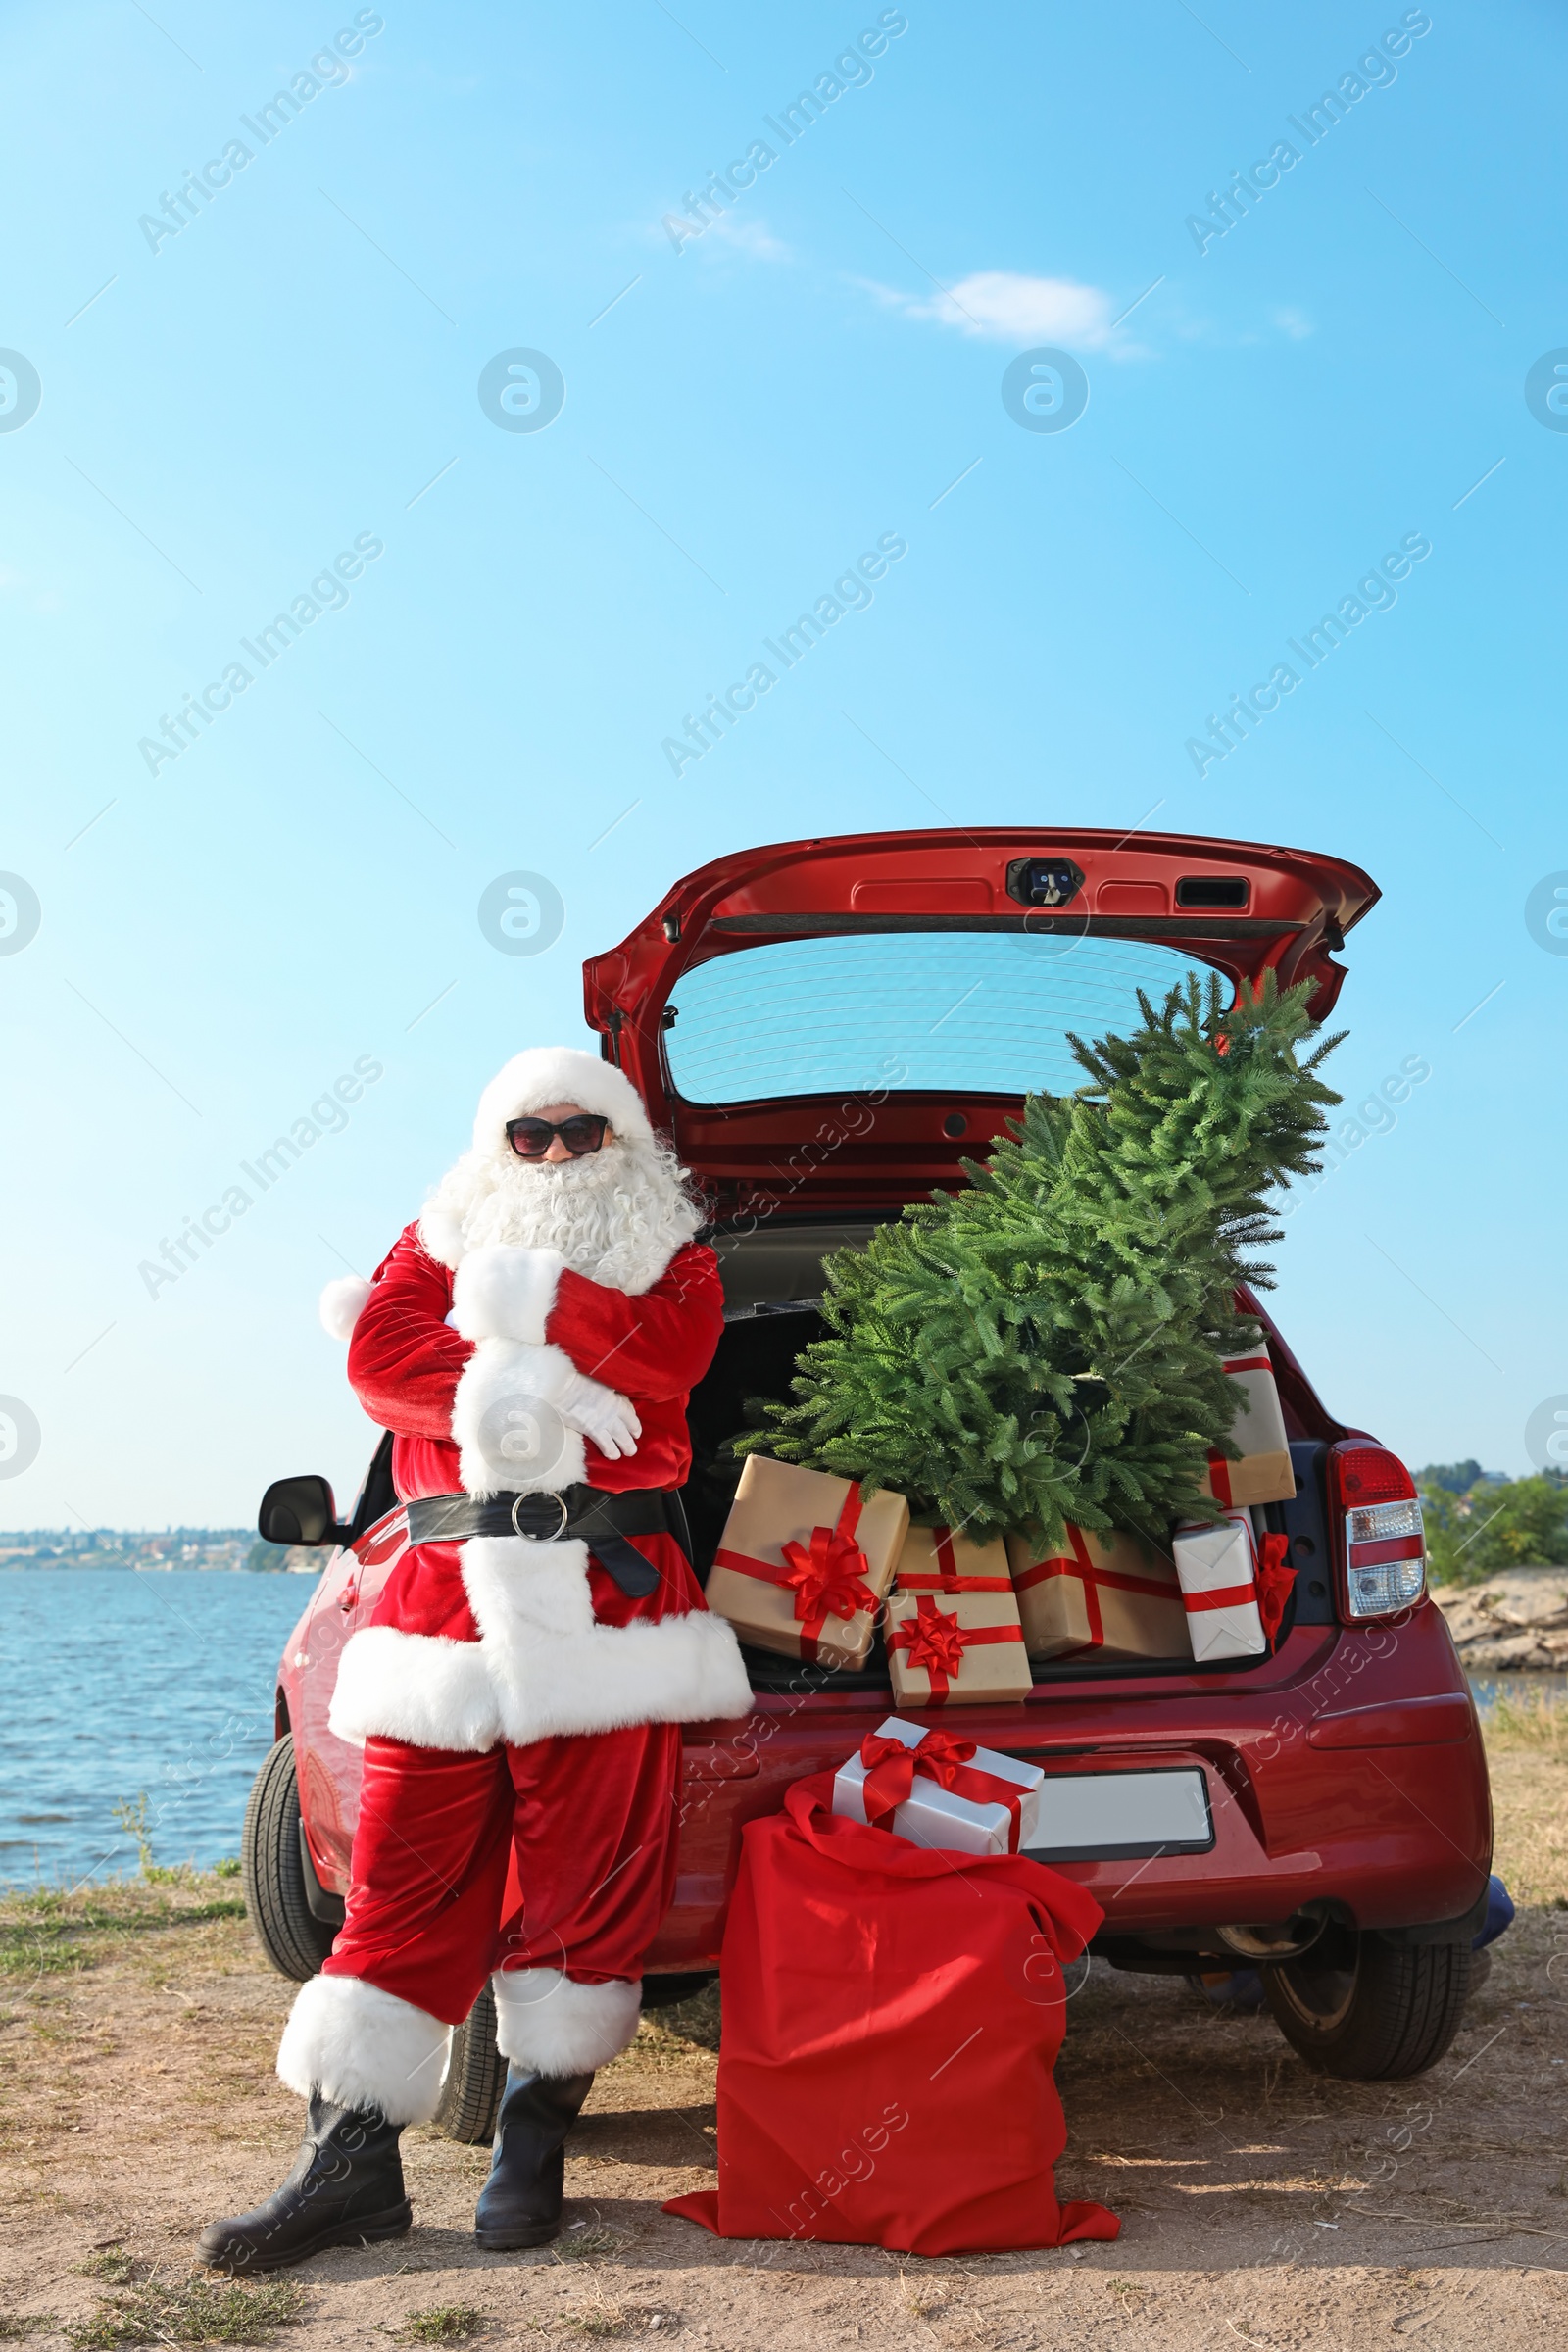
column 891, row 2015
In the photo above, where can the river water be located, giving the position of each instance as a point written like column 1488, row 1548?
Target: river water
column 120, row 1682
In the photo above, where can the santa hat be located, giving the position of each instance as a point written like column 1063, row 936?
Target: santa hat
column 545, row 1074
column 557, row 1074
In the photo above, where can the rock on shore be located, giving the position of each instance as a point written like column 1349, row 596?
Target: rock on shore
column 1511, row 1624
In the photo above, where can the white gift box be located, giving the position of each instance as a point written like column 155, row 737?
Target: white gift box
column 1215, row 1561
column 934, row 1816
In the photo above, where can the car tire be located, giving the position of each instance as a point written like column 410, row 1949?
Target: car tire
column 475, row 2077
column 1368, row 2010
column 294, row 1940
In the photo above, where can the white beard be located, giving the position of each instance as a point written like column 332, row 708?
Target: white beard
column 617, row 1216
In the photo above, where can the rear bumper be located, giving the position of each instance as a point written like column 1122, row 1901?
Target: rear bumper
column 1347, row 1772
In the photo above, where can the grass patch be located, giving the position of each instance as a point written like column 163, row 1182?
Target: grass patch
column 114, row 2266
column 600, row 2319
column 1537, row 1722
column 669, row 2037
column 582, row 2245
column 15, row 2327
column 54, row 1931
column 443, row 2324
column 189, row 2311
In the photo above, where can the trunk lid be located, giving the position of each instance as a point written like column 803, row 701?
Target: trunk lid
column 832, row 1026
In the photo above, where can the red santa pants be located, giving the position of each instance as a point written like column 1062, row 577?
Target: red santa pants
column 591, row 1820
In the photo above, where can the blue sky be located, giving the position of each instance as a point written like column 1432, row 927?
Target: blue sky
column 293, row 375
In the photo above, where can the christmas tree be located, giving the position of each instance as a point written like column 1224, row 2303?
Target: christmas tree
column 1045, row 1345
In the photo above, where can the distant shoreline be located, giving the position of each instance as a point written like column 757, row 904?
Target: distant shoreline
column 34, row 1567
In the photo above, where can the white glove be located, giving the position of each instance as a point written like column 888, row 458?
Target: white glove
column 600, row 1413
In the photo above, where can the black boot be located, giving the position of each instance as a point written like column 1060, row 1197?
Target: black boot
column 519, row 2205
column 346, row 2190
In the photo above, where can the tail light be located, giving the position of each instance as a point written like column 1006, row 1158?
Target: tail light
column 1384, row 1539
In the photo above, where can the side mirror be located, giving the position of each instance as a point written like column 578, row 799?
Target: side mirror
column 300, row 1510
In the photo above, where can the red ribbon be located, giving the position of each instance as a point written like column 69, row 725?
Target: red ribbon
column 941, row 1756
column 1091, row 1577
column 827, row 1580
column 1219, row 1479
column 936, row 1642
column 947, row 1576
column 1275, row 1582
column 1221, row 1597
column 1270, row 1593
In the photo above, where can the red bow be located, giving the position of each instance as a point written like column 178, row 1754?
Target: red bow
column 940, row 1756
column 1274, row 1582
column 933, row 1640
column 891, row 1766
column 829, row 1579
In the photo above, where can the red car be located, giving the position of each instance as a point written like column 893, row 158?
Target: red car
column 827, row 1029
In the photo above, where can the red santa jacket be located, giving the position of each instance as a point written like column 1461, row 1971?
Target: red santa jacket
column 502, row 1637
column 406, row 1359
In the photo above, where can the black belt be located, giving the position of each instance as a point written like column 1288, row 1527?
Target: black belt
column 576, row 1514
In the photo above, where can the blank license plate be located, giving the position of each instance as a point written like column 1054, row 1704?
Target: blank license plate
column 1122, row 1816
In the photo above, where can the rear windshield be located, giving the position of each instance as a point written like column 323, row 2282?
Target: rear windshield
column 972, row 1012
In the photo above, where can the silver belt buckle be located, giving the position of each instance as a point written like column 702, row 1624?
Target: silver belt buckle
column 556, row 1533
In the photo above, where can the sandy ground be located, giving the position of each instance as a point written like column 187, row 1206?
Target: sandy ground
column 1260, row 2205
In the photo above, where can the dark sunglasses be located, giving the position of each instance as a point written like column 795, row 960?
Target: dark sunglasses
column 530, row 1139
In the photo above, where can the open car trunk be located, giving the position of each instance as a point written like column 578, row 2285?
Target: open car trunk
column 772, row 1282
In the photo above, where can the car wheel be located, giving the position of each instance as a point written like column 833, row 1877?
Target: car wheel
column 1368, row 2010
column 475, row 2077
column 294, row 1940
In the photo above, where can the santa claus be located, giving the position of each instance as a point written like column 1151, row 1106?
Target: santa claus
column 531, row 1342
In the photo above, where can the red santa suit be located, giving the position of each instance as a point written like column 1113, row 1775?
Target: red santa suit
column 508, row 1693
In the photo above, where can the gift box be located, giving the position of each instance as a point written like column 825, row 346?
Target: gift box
column 952, row 1634
column 1234, row 1587
column 936, row 1559
column 940, row 1790
column 1108, row 1596
column 804, row 1561
column 1264, row 1473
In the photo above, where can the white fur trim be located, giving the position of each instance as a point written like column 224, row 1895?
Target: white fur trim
column 422, row 1688
column 553, row 2026
column 506, row 1293
column 509, row 1373
column 542, row 1667
column 548, row 1074
column 440, row 1233
column 363, row 2047
column 342, row 1303
column 555, row 1670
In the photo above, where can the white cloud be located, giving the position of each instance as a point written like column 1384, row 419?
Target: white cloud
column 1294, row 323
column 748, row 237
column 1005, row 306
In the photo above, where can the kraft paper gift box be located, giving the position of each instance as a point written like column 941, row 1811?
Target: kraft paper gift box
column 1219, row 1570
column 1264, row 1473
column 952, row 1628
column 1109, row 1596
column 932, row 1557
column 967, row 1817
column 804, row 1561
